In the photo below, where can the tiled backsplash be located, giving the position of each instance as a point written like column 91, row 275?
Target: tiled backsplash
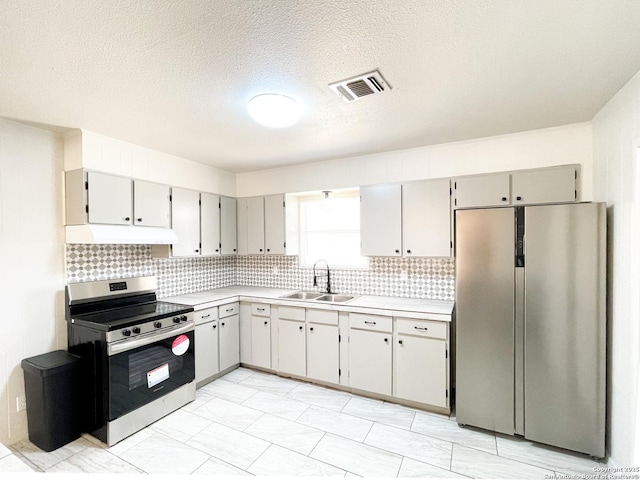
column 430, row 278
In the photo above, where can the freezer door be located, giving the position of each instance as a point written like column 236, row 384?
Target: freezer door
column 565, row 326
column 485, row 251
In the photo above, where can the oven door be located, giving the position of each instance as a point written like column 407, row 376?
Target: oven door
column 143, row 369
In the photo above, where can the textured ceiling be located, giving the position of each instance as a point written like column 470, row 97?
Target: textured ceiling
column 175, row 75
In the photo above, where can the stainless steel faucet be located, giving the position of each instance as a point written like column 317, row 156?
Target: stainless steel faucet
column 327, row 274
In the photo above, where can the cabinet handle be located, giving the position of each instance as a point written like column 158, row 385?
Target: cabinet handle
column 369, row 323
column 260, row 309
column 206, row 316
column 386, row 340
column 229, row 310
column 140, row 219
column 311, row 329
column 266, row 323
column 127, row 219
column 504, row 199
column 197, row 250
column 215, row 326
column 234, row 249
column 400, row 342
column 260, row 249
column 408, row 251
column 300, row 328
column 216, row 249
column 518, row 198
column 223, row 324
column 268, row 249
column 424, row 329
column 397, row 251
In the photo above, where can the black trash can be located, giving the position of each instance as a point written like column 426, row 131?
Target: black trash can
column 52, row 386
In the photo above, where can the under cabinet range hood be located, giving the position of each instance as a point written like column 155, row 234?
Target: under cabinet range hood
column 119, row 234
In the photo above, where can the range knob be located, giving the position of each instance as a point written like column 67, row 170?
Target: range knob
column 126, row 333
column 135, row 330
column 157, row 324
column 176, row 319
column 183, row 318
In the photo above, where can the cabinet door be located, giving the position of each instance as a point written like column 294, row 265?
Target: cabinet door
column 151, row 204
column 243, row 225
column 426, row 219
column 109, row 199
column 210, row 224
column 261, row 342
column 274, row 226
column 381, row 220
column 421, row 370
column 229, row 341
column 482, row 191
column 185, row 221
column 228, row 226
column 323, row 352
column 206, row 338
column 370, row 361
column 255, row 225
column 292, row 352
column 556, row 185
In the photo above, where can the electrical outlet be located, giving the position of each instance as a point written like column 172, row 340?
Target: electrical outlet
column 21, row 403
column 404, row 276
column 275, row 271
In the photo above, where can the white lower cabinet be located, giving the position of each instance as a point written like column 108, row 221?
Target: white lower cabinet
column 260, row 335
column 370, row 347
column 229, row 334
column 292, row 345
column 206, row 339
column 323, row 346
column 421, row 362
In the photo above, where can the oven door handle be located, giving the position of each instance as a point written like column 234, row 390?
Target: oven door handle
column 119, row 347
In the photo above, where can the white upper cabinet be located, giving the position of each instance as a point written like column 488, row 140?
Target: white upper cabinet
column 228, row 226
column 274, row 224
column 482, row 190
column 412, row 219
column 210, row 224
column 109, row 199
column 255, row 225
column 242, row 220
column 553, row 185
column 151, row 204
column 426, row 218
column 185, row 214
column 381, row 220
column 523, row 187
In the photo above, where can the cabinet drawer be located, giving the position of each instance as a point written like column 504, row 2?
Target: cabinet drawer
column 370, row 322
column 422, row 328
column 228, row 309
column 291, row 313
column 326, row 317
column 261, row 309
column 206, row 315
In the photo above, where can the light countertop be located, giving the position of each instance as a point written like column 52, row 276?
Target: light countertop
column 441, row 310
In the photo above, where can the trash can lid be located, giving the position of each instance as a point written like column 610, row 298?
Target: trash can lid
column 50, row 363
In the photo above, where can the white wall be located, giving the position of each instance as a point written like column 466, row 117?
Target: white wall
column 32, row 260
column 569, row 144
column 616, row 152
column 84, row 149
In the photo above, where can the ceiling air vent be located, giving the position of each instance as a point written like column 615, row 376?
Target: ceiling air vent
column 355, row 88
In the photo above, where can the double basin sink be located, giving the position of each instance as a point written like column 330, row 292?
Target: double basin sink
column 320, row 297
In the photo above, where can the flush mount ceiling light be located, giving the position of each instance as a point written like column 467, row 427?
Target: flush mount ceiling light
column 274, row 110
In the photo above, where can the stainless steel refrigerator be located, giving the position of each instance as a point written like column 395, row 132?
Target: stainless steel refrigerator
column 530, row 322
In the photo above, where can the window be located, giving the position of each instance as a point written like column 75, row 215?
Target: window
column 330, row 229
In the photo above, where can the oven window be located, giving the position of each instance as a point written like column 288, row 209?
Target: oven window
column 141, row 364
column 139, row 376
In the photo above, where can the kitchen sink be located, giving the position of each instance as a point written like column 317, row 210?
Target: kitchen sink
column 331, row 297
column 303, row 295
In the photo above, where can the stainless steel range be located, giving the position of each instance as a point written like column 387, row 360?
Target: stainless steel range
column 137, row 354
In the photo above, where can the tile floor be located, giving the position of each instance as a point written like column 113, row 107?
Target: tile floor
column 252, row 423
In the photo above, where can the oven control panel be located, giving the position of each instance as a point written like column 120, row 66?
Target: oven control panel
column 150, row 327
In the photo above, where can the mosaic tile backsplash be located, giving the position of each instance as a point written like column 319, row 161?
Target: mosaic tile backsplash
column 427, row 278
